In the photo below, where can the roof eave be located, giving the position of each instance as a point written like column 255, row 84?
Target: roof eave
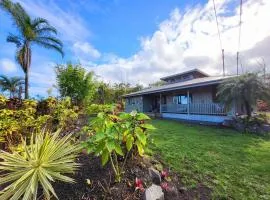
column 176, row 88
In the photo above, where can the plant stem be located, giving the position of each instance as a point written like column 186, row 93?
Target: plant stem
column 124, row 163
column 114, row 169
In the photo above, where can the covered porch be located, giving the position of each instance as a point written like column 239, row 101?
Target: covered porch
column 199, row 104
column 198, row 101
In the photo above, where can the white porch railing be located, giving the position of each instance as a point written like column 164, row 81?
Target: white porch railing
column 195, row 108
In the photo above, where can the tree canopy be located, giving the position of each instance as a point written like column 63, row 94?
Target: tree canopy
column 75, row 82
column 11, row 84
column 35, row 31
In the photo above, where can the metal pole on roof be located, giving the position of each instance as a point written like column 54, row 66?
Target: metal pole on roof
column 237, row 61
column 223, row 64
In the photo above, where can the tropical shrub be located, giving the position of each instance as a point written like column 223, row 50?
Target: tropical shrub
column 257, row 120
column 17, row 120
column 243, row 90
column 114, row 136
column 97, row 108
column 74, row 81
column 43, row 161
column 46, row 106
column 263, row 106
column 64, row 113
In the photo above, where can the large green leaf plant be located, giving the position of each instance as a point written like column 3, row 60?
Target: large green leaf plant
column 113, row 136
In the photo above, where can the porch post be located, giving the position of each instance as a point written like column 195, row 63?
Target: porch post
column 160, row 103
column 188, row 102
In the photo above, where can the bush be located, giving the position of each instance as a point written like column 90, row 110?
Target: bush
column 257, row 120
column 46, row 159
column 97, row 108
column 121, row 135
column 262, row 106
column 19, row 119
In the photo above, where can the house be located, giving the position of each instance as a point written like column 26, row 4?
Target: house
column 191, row 95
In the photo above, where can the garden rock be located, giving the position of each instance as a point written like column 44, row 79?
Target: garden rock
column 154, row 192
column 155, row 176
column 172, row 193
column 183, row 189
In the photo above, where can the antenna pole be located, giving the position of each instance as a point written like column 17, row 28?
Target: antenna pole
column 237, row 61
column 223, row 62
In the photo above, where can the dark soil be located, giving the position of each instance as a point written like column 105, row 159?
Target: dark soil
column 103, row 186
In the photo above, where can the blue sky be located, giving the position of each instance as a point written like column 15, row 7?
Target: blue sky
column 140, row 41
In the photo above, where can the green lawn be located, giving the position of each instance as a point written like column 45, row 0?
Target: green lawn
column 234, row 165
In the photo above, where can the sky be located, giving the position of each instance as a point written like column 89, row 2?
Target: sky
column 139, row 41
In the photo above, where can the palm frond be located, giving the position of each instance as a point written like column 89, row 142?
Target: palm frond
column 14, row 39
column 50, row 39
column 50, row 43
column 38, row 22
column 10, row 84
column 244, row 89
column 46, row 30
column 17, row 12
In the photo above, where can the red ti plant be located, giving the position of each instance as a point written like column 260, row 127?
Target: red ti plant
column 164, row 186
column 164, row 174
column 139, row 185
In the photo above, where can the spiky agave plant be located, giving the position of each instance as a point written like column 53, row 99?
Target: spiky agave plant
column 45, row 160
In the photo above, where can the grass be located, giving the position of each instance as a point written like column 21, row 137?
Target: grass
column 234, row 165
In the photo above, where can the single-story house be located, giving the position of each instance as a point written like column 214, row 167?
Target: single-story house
column 191, row 95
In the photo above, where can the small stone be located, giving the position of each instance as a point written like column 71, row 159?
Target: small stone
column 183, row 189
column 154, row 192
column 155, row 176
column 172, row 193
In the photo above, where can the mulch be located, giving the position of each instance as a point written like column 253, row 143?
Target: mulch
column 102, row 184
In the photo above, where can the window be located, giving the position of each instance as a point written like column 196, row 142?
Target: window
column 182, row 99
column 131, row 101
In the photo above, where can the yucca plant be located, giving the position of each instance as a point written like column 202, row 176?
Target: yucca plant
column 46, row 159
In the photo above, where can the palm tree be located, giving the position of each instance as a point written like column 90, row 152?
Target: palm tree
column 244, row 90
column 11, row 84
column 36, row 31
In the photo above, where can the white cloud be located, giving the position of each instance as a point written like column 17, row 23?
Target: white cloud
column 84, row 49
column 189, row 39
column 7, row 66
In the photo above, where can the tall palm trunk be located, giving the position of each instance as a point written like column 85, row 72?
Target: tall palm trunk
column 26, row 77
column 25, row 61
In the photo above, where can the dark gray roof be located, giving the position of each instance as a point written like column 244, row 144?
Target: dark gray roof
column 181, row 85
column 183, row 73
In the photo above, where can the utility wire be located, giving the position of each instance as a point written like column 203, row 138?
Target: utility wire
column 217, row 24
column 222, row 50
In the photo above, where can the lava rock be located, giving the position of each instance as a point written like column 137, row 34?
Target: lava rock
column 155, row 176
column 154, row 192
column 172, row 193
